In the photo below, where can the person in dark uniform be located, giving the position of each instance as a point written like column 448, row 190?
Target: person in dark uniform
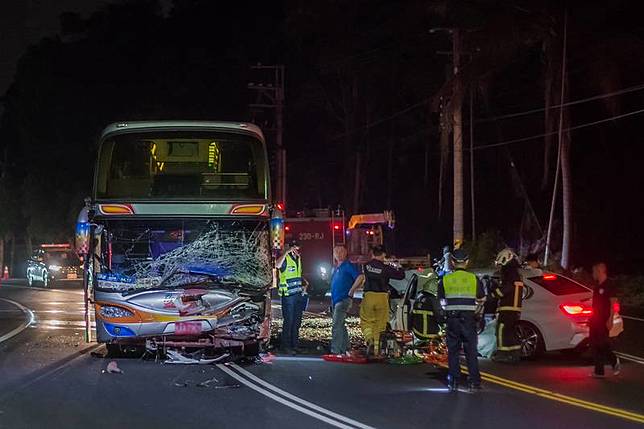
column 510, row 295
column 463, row 295
column 374, row 310
column 426, row 313
column 601, row 321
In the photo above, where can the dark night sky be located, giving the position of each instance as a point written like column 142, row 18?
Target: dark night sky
column 24, row 22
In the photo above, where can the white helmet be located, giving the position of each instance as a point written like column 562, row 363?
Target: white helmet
column 505, row 256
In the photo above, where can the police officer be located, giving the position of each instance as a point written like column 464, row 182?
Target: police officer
column 292, row 290
column 510, row 295
column 462, row 295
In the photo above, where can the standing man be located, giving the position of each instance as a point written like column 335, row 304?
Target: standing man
column 510, row 295
column 601, row 322
column 374, row 310
column 292, row 290
column 462, row 294
column 344, row 275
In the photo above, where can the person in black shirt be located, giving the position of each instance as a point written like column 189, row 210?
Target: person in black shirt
column 601, row 321
column 374, row 310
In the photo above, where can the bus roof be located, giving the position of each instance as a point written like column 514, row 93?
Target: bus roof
column 127, row 127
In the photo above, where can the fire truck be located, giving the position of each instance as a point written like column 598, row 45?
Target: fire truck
column 318, row 231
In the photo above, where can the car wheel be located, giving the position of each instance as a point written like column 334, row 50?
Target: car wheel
column 30, row 280
column 45, row 279
column 530, row 339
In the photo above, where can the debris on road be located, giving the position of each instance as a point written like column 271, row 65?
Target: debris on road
column 266, row 358
column 113, row 368
column 175, row 357
column 207, row 383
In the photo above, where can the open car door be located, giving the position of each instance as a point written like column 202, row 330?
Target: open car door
column 402, row 313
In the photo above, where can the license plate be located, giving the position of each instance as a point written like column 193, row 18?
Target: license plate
column 72, row 276
column 187, row 328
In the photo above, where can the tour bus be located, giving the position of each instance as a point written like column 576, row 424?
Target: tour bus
column 177, row 238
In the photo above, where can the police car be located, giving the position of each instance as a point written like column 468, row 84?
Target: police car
column 556, row 312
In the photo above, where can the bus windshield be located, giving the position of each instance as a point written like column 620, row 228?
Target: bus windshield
column 192, row 165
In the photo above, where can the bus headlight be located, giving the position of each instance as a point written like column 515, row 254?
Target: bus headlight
column 113, row 312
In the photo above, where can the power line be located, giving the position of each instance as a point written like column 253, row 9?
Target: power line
column 576, row 127
column 394, row 115
column 570, row 103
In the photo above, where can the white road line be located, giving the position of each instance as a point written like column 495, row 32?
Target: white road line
column 30, row 318
column 72, row 292
column 632, row 358
column 283, row 401
column 632, row 318
column 299, row 400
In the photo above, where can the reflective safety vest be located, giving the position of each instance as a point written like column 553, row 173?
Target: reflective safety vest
column 291, row 277
column 460, row 291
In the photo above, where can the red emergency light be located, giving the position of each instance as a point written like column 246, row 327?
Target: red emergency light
column 550, row 277
column 616, row 308
column 336, row 227
column 287, row 228
column 280, row 206
column 55, row 246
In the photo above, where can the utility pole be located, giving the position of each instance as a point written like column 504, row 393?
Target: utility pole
column 270, row 96
column 457, row 135
column 559, row 158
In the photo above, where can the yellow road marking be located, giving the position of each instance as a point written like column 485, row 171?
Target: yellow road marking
column 554, row 396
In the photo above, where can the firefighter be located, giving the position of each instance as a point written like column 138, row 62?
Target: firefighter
column 426, row 311
column 462, row 296
column 292, row 290
column 374, row 310
column 509, row 292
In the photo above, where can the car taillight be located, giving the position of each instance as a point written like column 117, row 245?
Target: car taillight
column 576, row 310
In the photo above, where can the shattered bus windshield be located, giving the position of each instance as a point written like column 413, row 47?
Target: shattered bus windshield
column 182, row 165
column 177, row 253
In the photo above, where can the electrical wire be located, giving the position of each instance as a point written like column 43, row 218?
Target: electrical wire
column 569, row 103
column 576, row 127
column 494, row 118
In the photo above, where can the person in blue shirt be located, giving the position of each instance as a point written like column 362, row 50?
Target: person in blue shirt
column 342, row 279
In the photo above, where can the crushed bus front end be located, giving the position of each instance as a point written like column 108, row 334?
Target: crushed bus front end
column 177, row 237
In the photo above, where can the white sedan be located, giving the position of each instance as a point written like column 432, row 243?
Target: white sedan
column 556, row 311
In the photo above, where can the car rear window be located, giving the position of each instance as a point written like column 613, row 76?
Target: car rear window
column 558, row 285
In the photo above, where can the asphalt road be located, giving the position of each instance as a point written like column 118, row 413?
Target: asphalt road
column 48, row 378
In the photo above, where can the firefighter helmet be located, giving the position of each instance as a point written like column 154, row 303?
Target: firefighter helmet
column 504, row 256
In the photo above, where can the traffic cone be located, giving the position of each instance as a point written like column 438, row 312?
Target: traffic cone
column 5, row 273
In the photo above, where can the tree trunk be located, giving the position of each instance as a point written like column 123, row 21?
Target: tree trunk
column 356, row 183
column 12, row 254
column 457, row 104
column 444, row 144
column 1, row 253
column 566, row 181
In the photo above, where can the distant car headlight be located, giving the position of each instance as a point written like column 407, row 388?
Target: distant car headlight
column 113, row 312
column 55, row 268
column 324, row 272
